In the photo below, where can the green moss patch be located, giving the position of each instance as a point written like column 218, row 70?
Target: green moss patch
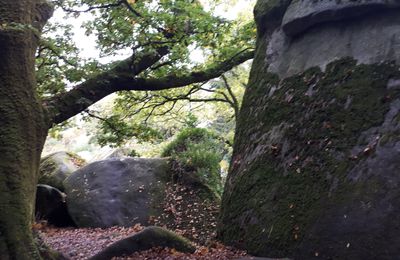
column 281, row 182
column 195, row 157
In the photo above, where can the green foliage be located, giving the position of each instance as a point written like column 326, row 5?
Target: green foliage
column 114, row 131
column 216, row 103
column 196, row 154
column 57, row 61
column 133, row 153
column 143, row 26
column 137, row 28
column 188, row 137
column 56, row 131
column 191, row 121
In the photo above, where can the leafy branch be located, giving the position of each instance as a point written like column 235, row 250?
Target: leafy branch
column 120, row 78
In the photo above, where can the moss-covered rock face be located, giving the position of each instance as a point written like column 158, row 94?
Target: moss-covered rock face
column 56, row 167
column 315, row 169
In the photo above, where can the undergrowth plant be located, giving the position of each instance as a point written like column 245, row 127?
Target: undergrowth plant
column 195, row 155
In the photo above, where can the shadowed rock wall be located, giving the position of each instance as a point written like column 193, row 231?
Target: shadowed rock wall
column 316, row 166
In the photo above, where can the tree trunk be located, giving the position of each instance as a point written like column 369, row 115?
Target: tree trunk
column 23, row 129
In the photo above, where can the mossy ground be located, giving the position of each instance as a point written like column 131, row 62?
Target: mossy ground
column 278, row 186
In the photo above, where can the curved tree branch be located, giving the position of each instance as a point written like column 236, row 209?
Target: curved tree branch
column 65, row 105
column 121, row 77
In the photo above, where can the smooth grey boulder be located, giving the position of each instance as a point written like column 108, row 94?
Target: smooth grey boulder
column 371, row 38
column 56, row 167
column 116, row 192
column 51, row 206
column 303, row 14
column 146, row 239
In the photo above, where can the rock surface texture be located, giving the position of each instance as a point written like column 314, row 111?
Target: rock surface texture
column 116, row 192
column 316, row 171
column 56, row 167
column 50, row 205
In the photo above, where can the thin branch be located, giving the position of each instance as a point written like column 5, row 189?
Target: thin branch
column 152, row 43
column 235, row 102
column 90, row 8
column 168, row 110
column 111, row 125
column 167, row 63
column 46, row 46
column 130, row 8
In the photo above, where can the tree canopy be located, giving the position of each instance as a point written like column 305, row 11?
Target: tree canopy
column 158, row 37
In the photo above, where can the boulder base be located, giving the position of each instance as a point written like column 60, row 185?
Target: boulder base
column 51, row 206
column 148, row 238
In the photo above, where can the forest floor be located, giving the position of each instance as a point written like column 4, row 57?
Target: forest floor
column 192, row 218
column 82, row 243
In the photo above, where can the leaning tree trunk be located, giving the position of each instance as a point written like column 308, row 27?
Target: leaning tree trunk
column 22, row 126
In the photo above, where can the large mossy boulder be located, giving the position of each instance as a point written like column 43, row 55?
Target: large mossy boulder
column 116, row 192
column 315, row 171
column 56, row 167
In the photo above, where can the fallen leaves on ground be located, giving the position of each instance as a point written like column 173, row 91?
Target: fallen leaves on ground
column 184, row 211
column 82, row 243
column 188, row 214
column 202, row 253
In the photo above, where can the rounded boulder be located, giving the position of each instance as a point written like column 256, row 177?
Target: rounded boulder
column 54, row 168
column 116, row 192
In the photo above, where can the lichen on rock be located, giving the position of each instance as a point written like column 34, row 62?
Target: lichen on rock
column 56, row 167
